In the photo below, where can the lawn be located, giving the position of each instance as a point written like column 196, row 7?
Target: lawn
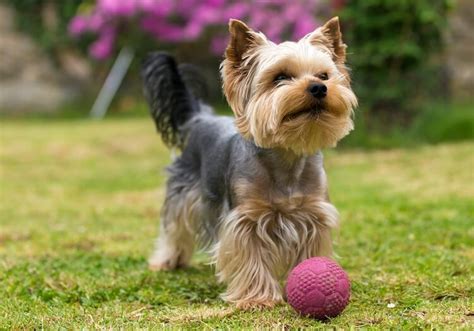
column 79, row 209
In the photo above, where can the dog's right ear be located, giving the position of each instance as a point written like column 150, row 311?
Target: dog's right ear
column 242, row 40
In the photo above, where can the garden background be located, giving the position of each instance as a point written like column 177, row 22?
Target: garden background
column 80, row 196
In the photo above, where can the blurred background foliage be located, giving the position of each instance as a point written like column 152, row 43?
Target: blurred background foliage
column 397, row 52
column 47, row 22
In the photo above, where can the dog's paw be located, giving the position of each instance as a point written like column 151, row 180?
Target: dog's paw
column 161, row 266
column 161, row 262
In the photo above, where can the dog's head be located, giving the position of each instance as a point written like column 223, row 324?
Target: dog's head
column 294, row 95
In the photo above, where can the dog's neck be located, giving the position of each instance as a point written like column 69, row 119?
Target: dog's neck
column 283, row 165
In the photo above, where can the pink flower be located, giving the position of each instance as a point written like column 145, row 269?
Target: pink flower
column 96, row 22
column 169, row 32
column 126, row 8
column 160, row 8
column 303, row 27
column 218, row 44
column 78, row 26
column 178, row 20
column 193, row 30
column 273, row 32
column 238, row 10
column 208, row 15
column 214, row 3
column 102, row 48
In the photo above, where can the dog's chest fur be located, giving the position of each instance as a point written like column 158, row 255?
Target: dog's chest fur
column 286, row 207
column 281, row 187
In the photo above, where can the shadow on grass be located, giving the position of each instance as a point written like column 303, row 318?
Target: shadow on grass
column 93, row 279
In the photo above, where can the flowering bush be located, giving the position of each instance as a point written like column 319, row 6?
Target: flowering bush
column 172, row 21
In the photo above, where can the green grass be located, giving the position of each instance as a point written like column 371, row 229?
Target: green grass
column 79, row 208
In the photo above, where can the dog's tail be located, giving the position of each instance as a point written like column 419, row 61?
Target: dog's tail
column 173, row 94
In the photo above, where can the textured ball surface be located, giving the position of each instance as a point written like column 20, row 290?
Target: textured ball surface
column 318, row 287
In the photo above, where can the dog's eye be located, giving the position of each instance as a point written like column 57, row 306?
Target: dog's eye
column 281, row 77
column 323, row 76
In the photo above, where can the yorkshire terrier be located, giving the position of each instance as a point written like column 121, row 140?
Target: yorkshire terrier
column 252, row 189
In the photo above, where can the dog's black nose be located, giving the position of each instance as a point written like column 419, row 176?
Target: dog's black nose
column 318, row 90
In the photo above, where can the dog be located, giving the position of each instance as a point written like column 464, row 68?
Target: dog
column 252, row 189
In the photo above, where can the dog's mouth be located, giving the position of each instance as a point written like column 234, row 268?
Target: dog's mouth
column 311, row 112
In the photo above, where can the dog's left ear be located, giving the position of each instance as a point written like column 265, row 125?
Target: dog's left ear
column 330, row 36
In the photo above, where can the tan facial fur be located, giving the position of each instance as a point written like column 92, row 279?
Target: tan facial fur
column 265, row 109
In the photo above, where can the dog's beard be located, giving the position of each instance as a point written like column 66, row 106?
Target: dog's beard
column 289, row 118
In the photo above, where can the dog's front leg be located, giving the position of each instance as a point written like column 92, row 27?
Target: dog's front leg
column 245, row 264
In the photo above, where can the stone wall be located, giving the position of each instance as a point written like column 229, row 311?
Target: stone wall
column 460, row 49
column 29, row 82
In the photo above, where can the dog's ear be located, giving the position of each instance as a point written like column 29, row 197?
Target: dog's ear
column 330, row 36
column 242, row 40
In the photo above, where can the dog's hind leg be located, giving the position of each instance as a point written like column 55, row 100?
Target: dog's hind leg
column 175, row 243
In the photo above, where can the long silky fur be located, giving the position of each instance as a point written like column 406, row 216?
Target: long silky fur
column 252, row 189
